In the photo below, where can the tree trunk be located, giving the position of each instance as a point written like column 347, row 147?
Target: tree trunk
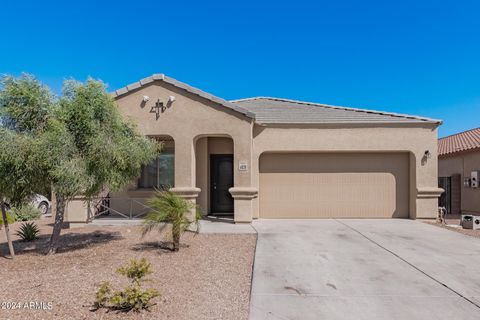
column 57, row 227
column 176, row 242
column 7, row 230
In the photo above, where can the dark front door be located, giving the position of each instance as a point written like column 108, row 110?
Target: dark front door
column 221, row 179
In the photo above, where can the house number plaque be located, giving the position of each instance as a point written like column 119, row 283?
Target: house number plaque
column 243, row 165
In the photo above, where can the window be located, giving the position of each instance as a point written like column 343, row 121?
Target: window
column 160, row 172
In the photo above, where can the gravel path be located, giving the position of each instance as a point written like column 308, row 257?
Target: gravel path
column 209, row 278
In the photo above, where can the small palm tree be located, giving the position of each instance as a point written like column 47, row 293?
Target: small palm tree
column 170, row 209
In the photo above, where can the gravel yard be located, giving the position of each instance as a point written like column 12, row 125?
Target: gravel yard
column 453, row 223
column 209, row 278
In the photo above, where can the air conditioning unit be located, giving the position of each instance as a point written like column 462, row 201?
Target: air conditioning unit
column 470, row 221
column 474, row 176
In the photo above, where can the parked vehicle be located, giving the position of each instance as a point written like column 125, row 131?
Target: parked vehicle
column 38, row 201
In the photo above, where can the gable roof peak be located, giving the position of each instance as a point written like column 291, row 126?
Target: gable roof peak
column 162, row 77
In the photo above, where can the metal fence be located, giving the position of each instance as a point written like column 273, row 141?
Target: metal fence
column 127, row 208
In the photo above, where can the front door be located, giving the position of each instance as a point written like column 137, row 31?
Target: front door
column 221, row 179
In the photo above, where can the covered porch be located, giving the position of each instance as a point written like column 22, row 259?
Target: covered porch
column 208, row 179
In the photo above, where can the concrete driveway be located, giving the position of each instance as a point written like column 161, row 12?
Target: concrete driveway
column 364, row 269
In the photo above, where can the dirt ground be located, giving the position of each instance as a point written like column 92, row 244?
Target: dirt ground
column 209, row 278
column 453, row 223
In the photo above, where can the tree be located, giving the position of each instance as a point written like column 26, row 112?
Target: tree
column 18, row 175
column 106, row 151
column 13, row 165
column 79, row 143
column 170, row 209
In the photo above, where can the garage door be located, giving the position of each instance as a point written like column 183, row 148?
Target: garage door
column 342, row 185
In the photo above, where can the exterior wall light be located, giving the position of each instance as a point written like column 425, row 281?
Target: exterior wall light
column 146, row 98
column 427, row 154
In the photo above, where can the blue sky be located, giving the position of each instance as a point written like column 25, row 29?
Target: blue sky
column 416, row 57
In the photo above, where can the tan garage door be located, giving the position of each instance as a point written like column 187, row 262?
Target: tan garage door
column 341, row 185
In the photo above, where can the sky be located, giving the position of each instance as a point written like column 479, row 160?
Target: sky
column 413, row 57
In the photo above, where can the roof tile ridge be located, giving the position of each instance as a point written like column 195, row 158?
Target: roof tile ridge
column 398, row 115
column 459, row 133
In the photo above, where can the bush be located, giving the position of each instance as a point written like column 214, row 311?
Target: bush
column 10, row 218
column 170, row 209
column 28, row 231
column 26, row 213
column 132, row 297
column 136, row 270
column 103, row 295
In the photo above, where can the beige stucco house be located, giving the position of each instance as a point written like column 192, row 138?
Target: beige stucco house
column 277, row 158
column 459, row 172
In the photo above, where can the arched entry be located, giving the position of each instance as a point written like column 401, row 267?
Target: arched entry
column 214, row 174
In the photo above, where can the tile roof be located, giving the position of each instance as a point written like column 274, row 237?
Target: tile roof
column 184, row 86
column 269, row 110
column 266, row 110
column 463, row 141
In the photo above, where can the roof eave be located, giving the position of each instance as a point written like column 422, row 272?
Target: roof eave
column 433, row 123
column 393, row 114
column 184, row 86
column 458, row 152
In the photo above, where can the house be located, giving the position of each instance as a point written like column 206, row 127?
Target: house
column 278, row 158
column 459, row 170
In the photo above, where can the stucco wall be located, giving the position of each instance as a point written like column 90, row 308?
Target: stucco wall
column 449, row 166
column 188, row 118
column 463, row 164
column 413, row 139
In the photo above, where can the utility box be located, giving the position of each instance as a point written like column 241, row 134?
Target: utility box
column 474, row 179
column 470, row 222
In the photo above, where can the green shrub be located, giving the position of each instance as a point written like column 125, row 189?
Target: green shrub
column 169, row 208
column 28, row 231
column 103, row 295
column 10, row 218
column 132, row 297
column 136, row 270
column 26, row 213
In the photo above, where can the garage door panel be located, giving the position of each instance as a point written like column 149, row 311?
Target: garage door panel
column 343, row 186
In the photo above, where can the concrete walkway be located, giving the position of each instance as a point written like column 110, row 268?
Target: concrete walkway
column 212, row 225
column 207, row 225
column 364, row 269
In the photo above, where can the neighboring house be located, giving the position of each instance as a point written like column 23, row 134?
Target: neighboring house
column 278, row 158
column 459, row 171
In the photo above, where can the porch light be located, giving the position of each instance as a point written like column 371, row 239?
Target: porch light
column 428, row 155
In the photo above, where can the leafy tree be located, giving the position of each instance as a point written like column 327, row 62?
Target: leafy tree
column 78, row 144
column 25, row 104
column 24, row 107
column 106, row 151
column 170, row 209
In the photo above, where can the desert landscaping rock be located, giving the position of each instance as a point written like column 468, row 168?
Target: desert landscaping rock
column 209, row 278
